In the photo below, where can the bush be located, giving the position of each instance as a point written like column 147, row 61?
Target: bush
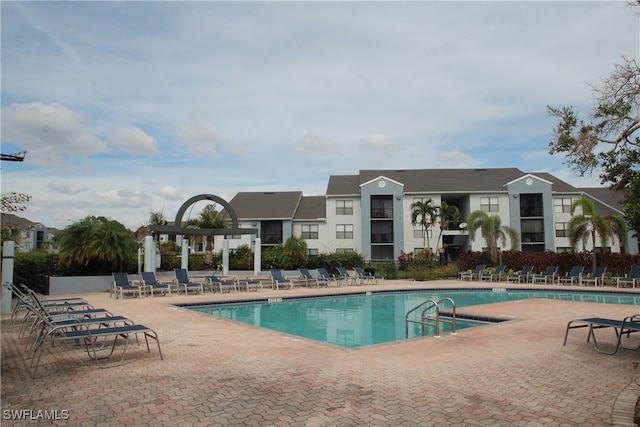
column 30, row 268
column 241, row 258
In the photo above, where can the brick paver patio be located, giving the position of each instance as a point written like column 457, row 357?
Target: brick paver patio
column 217, row 372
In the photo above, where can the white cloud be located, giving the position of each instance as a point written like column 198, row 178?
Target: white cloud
column 50, row 132
column 454, row 159
column 170, row 193
column 201, row 139
column 133, row 140
column 379, row 143
column 123, row 198
column 312, row 144
column 65, row 187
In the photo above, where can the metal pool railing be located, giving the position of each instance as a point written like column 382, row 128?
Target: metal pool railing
column 431, row 315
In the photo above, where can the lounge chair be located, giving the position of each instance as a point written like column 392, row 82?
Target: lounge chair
column 597, row 276
column 25, row 296
column 547, row 277
column 121, row 286
column 497, row 273
column 324, row 275
column 182, row 281
column 344, row 275
column 573, row 276
column 250, row 284
column 222, row 285
column 89, row 336
column 475, row 274
column 308, row 279
column 149, row 280
column 278, row 279
column 633, row 278
column 626, row 326
column 522, row 276
column 365, row 276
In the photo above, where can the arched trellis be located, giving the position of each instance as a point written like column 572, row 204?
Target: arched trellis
column 178, row 229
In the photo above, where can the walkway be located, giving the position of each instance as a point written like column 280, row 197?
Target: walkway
column 220, row 373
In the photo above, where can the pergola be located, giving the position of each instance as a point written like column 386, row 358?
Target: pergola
column 178, row 229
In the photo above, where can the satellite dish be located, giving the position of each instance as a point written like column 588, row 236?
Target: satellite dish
column 463, row 225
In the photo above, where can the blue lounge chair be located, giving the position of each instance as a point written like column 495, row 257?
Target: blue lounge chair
column 547, row 277
column 626, row 326
column 522, row 276
column 308, row 279
column 364, row 276
column 475, row 274
column 633, row 278
column 222, row 285
column 573, row 276
column 324, row 275
column 497, row 273
column 182, row 281
column 150, row 281
column 344, row 275
column 597, row 276
column 278, row 279
column 121, row 286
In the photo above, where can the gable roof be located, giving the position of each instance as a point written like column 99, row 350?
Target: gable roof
column 17, row 221
column 266, row 205
column 607, row 199
column 441, row 180
column 312, row 208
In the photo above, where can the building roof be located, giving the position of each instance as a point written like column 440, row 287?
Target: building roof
column 608, row 199
column 17, row 221
column 279, row 205
column 441, row 180
column 312, row 208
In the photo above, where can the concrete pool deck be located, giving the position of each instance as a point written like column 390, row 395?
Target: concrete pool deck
column 221, row 373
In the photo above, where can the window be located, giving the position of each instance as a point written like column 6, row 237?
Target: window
column 562, row 204
column 344, row 250
column 563, row 250
column 561, row 229
column 419, row 232
column 344, row 207
column 312, row 253
column 344, row 231
column 489, row 204
column 309, row 231
column 530, row 205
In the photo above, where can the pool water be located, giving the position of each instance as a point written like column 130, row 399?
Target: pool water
column 363, row 319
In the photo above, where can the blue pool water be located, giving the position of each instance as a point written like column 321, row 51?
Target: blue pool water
column 360, row 320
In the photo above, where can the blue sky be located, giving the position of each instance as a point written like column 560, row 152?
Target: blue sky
column 131, row 107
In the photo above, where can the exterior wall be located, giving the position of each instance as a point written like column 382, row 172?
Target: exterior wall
column 504, row 210
column 333, row 220
column 382, row 187
column 533, row 185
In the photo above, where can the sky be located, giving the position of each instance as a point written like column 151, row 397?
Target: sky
column 131, row 107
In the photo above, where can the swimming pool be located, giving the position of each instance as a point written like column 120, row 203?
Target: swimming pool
column 364, row 319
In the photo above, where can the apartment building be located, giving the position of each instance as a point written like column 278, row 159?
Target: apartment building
column 371, row 212
column 27, row 234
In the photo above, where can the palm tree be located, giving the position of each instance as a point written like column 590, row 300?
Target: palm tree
column 588, row 224
column 103, row 244
column 492, row 231
column 447, row 213
column 209, row 218
column 426, row 213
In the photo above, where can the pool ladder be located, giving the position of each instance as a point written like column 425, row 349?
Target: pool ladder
column 431, row 315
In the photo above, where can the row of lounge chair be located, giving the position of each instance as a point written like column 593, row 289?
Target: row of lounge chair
column 74, row 321
column 323, row 278
column 550, row 275
column 148, row 285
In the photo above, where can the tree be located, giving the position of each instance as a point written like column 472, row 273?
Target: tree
column 447, row 213
column 13, row 202
column 98, row 244
column 424, row 213
column 295, row 252
column 608, row 139
column 209, row 218
column 492, row 231
column 588, row 224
